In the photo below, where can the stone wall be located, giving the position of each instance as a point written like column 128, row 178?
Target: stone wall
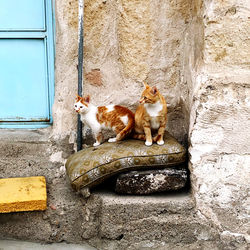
column 219, row 133
column 124, row 45
column 219, row 113
column 197, row 53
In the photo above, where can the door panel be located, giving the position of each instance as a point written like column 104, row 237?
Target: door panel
column 23, row 80
column 22, row 15
column 26, row 63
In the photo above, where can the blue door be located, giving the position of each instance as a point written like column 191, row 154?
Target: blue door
column 26, row 63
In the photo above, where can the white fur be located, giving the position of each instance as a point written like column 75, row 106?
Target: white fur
column 88, row 117
column 96, row 144
column 154, row 123
column 112, row 139
column 81, row 108
column 153, row 109
column 147, row 143
column 160, row 142
column 124, row 119
column 110, row 108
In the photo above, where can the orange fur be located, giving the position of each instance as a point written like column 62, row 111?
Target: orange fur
column 112, row 119
column 118, row 118
column 151, row 116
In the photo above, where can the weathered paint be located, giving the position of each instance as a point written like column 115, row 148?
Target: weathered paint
column 27, row 63
column 23, row 194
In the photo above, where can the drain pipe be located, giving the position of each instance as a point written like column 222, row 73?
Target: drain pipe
column 80, row 67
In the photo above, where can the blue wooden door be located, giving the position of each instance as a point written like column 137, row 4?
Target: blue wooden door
column 26, row 63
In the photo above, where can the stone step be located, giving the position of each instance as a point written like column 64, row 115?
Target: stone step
column 26, row 153
column 23, row 153
column 18, row 144
column 175, row 203
column 23, row 194
column 166, row 217
column 25, row 245
column 119, row 212
column 174, row 229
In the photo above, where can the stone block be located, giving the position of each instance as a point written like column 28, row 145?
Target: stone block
column 151, row 181
column 165, row 218
column 23, row 194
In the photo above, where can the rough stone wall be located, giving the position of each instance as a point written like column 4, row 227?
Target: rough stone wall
column 197, row 54
column 125, row 43
column 219, row 114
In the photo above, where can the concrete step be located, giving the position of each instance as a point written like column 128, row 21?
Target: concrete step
column 23, row 153
column 141, row 206
column 24, row 245
column 132, row 216
column 163, row 218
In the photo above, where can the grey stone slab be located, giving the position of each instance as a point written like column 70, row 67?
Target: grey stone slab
column 151, row 181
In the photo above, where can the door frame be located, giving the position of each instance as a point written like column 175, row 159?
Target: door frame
column 49, row 38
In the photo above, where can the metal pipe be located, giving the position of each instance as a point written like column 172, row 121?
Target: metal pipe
column 80, row 67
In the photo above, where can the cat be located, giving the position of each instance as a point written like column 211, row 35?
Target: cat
column 118, row 118
column 150, row 116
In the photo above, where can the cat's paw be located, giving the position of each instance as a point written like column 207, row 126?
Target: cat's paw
column 148, row 143
column 96, row 144
column 161, row 142
column 112, row 139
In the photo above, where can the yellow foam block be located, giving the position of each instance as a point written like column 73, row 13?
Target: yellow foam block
column 23, row 194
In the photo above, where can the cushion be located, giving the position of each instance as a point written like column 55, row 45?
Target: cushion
column 92, row 165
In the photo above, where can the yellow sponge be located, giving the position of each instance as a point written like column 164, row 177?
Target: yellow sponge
column 23, row 194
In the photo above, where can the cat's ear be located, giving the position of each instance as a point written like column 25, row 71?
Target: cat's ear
column 154, row 90
column 87, row 98
column 78, row 98
column 146, row 85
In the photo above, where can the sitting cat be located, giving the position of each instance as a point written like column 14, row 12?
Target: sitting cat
column 118, row 118
column 151, row 114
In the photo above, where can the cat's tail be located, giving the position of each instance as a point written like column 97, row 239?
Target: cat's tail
column 127, row 130
column 138, row 136
column 143, row 137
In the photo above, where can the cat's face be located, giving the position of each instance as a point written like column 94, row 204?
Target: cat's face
column 82, row 103
column 149, row 95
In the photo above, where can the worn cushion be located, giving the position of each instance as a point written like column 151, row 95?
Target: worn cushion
column 92, row 165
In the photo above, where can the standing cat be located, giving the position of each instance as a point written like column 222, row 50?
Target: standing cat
column 115, row 117
column 151, row 114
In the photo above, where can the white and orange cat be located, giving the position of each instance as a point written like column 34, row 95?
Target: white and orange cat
column 151, row 116
column 118, row 118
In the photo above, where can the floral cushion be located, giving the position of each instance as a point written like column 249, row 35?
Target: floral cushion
column 90, row 166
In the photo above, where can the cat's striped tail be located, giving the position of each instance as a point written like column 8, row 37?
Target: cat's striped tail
column 127, row 130
column 139, row 136
column 143, row 137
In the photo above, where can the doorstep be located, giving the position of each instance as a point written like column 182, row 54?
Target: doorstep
column 24, row 245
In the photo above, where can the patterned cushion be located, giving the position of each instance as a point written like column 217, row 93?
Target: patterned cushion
column 90, row 166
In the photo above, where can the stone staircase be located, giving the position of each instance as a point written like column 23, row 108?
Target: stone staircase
column 135, row 222
column 105, row 220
